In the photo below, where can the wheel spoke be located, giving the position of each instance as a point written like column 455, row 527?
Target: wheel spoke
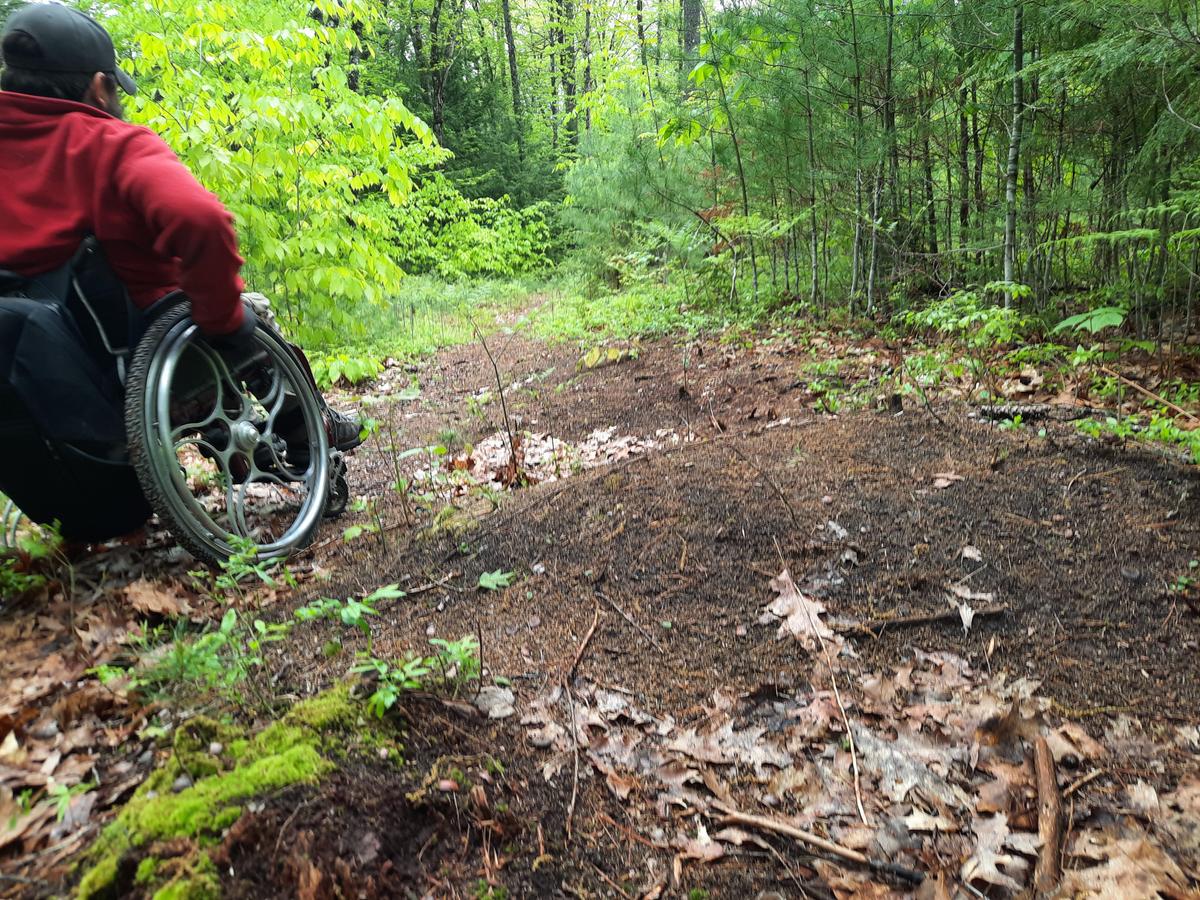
column 272, row 501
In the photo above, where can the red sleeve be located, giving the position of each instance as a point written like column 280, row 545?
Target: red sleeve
column 188, row 224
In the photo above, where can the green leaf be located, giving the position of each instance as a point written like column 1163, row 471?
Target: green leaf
column 494, row 581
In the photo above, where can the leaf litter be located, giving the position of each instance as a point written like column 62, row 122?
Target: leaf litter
column 943, row 755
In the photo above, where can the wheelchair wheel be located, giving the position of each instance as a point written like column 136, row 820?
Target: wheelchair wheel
column 205, row 439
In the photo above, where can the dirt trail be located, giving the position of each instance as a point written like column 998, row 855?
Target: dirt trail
column 646, row 579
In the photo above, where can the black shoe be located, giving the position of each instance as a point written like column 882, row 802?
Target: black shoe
column 345, row 433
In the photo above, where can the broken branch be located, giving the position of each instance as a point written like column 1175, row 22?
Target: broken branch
column 1049, row 867
column 734, row 817
column 1149, row 393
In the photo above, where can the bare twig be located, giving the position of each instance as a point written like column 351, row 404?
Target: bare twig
column 1050, row 831
column 876, row 627
column 575, row 755
column 735, row 817
column 1148, row 393
column 620, row 890
column 570, row 673
column 628, row 618
column 771, row 481
column 1082, row 781
column 512, row 446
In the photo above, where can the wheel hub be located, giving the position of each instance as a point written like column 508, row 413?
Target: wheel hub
column 245, row 435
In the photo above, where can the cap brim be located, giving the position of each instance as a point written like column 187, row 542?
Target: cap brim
column 127, row 84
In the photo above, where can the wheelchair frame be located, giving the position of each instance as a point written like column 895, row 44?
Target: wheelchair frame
column 147, row 361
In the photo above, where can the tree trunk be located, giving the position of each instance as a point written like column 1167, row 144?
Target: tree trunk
column 1014, row 150
column 566, row 32
column 812, row 187
column 513, row 72
column 639, row 10
column 690, row 12
column 587, row 60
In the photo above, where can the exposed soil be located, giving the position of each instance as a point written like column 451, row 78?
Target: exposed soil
column 669, row 555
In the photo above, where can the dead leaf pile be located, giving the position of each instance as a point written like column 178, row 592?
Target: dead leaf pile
column 929, row 771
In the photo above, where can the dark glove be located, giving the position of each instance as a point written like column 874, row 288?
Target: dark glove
column 238, row 341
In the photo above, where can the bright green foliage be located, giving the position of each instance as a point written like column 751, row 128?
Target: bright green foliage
column 351, row 612
column 440, row 231
column 336, row 368
column 495, row 581
column 255, row 99
column 965, row 315
column 1093, row 321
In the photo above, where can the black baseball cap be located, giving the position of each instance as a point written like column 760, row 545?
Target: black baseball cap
column 67, row 41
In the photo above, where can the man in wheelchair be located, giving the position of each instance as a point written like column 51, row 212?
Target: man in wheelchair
column 134, row 377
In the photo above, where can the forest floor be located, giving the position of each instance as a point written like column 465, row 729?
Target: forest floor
column 737, row 626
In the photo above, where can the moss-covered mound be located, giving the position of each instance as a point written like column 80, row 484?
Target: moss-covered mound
column 182, row 809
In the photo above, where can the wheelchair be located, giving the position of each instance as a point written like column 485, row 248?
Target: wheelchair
column 110, row 414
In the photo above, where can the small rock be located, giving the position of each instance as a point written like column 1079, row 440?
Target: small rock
column 182, row 783
column 215, row 748
column 430, row 631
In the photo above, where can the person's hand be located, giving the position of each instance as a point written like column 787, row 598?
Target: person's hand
column 239, row 341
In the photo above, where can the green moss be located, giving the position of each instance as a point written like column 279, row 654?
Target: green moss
column 194, row 880
column 146, row 871
column 290, row 751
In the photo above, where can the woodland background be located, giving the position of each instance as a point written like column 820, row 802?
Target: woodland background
column 701, row 161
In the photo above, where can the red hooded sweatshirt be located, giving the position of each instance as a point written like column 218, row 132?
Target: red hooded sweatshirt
column 68, row 170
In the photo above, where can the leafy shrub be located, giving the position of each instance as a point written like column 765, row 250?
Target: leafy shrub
column 969, row 316
column 331, row 368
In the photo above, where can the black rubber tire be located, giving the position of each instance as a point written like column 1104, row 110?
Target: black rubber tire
column 140, row 449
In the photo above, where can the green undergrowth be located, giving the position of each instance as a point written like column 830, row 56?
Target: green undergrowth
column 426, row 316
column 645, row 310
column 200, row 791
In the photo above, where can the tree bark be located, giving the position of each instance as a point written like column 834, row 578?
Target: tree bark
column 690, row 13
column 514, row 74
column 1014, row 150
column 566, row 33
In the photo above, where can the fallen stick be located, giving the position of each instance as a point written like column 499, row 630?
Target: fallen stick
column 878, row 626
column 570, row 673
column 734, row 817
column 1049, row 864
column 1080, row 782
column 628, row 618
column 1153, row 396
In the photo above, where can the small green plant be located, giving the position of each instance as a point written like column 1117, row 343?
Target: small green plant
column 1013, row 424
column 14, row 581
column 351, row 612
column 495, row 581
column 1184, row 583
column 459, row 660
column 214, row 660
column 356, row 531
column 1159, row 428
column 477, row 406
column 455, row 663
column 391, row 680
column 972, row 317
column 63, row 795
column 485, row 891
column 242, row 565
